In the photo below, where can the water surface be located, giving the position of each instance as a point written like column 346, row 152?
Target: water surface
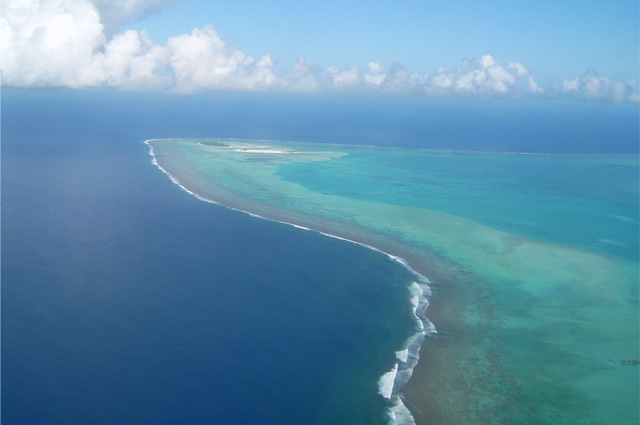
column 535, row 255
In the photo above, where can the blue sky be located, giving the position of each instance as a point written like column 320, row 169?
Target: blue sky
column 584, row 49
column 554, row 39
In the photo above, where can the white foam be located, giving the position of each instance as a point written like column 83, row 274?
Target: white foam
column 400, row 415
column 386, row 382
column 415, row 301
column 402, row 355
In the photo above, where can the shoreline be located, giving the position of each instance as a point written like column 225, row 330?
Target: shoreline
column 420, row 289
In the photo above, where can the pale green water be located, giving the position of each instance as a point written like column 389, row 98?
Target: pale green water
column 534, row 260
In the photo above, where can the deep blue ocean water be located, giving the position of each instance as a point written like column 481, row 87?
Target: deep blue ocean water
column 125, row 300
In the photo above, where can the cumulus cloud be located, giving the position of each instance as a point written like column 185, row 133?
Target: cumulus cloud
column 533, row 86
column 483, row 76
column 397, row 80
column 347, row 77
column 375, row 74
column 46, row 43
column 303, row 77
column 53, row 43
column 78, row 44
column 591, row 86
column 475, row 76
column 201, row 60
column 129, row 60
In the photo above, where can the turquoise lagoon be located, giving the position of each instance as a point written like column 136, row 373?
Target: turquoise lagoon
column 531, row 263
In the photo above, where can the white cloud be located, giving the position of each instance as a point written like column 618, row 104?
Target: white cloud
column 591, row 86
column 77, row 44
column 375, row 74
column 570, row 85
column 483, row 76
column 398, row 80
column 533, row 86
column 347, row 77
column 303, row 77
column 201, row 60
column 45, row 43
column 519, row 68
column 131, row 60
column 53, row 43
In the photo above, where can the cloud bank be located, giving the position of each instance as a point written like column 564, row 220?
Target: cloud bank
column 78, row 44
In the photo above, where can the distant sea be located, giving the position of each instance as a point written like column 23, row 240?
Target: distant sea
column 127, row 300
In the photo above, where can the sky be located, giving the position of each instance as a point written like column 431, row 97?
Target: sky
column 588, row 50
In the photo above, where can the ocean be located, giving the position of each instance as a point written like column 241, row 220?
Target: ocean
column 127, row 300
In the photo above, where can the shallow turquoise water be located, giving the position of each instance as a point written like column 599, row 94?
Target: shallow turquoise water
column 535, row 258
column 582, row 201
